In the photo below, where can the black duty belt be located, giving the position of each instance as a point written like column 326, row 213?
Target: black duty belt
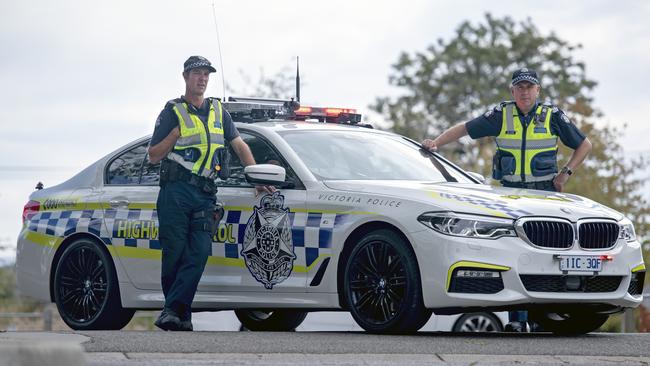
column 546, row 185
column 173, row 172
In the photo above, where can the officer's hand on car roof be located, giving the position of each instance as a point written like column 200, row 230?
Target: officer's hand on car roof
column 429, row 145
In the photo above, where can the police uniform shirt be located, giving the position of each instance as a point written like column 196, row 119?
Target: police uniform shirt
column 168, row 120
column 490, row 124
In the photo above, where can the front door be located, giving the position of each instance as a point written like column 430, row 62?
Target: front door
column 257, row 247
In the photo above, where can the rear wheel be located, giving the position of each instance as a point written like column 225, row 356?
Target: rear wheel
column 282, row 320
column 568, row 323
column 86, row 289
column 382, row 285
column 478, row 322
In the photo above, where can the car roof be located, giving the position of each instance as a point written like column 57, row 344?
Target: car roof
column 283, row 125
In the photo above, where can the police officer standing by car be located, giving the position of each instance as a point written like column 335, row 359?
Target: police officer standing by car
column 526, row 133
column 189, row 140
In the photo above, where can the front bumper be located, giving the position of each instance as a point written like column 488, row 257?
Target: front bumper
column 440, row 255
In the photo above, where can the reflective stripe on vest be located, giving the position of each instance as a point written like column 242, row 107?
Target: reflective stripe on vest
column 206, row 138
column 524, row 144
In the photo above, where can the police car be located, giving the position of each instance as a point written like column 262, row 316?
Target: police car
column 364, row 221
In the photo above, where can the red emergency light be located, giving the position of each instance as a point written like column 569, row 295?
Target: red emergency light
column 328, row 114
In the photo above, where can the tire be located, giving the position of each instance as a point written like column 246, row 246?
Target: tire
column 86, row 289
column 381, row 285
column 478, row 322
column 271, row 320
column 568, row 323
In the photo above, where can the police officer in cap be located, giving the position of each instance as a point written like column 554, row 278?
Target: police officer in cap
column 526, row 133
column 189, row 140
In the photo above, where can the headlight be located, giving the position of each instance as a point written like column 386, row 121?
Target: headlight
column 627, row 230
column 469, row 226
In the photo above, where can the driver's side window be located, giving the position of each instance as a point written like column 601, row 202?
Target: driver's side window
column 263, row 154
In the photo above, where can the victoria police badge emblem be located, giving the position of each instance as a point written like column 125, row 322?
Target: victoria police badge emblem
column 268, row 248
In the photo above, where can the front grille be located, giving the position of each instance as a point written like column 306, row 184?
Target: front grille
column 558, row 283
column 470, row 285
column 549, row 234
column 598, row 235
column 636, row 284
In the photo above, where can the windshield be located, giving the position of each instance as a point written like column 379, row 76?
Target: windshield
column 364, row 155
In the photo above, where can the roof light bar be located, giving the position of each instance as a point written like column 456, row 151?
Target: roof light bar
column 328, row 114
column 249, row 110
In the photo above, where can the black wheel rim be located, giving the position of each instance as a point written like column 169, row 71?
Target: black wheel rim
column 377, row 282
column 82, row 284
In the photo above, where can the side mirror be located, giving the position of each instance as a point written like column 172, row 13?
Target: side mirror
column 477, row 176
column 265, row 174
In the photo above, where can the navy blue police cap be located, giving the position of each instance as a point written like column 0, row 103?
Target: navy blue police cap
column 524, row 74
column 197, row 61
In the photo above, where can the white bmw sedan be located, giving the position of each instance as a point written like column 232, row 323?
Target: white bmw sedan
column 364, row 221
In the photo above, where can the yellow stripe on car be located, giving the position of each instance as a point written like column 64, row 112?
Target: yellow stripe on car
column 54, row 242
column 639, row 268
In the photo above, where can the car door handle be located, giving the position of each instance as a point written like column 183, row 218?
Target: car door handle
column 118, row 203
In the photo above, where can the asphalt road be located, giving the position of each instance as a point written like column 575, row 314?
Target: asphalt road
column 600, row 344
column 348, row 348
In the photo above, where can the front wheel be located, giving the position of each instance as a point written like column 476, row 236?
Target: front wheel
column 86, row 290
column 271, row 320
column 382, row 285
column 568, row 323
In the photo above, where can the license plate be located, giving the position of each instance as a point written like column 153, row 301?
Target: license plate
column 581, row 263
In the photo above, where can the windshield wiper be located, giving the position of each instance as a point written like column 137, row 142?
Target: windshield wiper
column 434, row 156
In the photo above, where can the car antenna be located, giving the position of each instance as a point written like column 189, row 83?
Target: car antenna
column 223, row 76
column 297, row 78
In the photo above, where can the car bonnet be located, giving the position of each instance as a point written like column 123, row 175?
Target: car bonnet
column 483, row 199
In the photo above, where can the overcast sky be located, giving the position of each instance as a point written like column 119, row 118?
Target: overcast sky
column 81, row 78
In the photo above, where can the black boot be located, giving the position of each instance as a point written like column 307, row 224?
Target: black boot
column 517, row 327
column 169, row 320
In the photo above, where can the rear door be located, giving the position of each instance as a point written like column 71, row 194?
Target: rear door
column 130, row 217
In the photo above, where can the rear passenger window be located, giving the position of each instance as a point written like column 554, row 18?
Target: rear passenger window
column 150, row 173
column 132, row 167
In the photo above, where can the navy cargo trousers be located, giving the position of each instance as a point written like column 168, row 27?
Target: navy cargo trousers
column 185, row 241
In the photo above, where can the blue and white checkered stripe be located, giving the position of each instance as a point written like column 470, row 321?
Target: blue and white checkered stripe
column 109, row 231
column 64, row 223
column 311, row 234
column 493, row 205
column 311, row 231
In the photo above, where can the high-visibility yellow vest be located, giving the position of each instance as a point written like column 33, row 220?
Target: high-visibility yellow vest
column 526, row 154
column 205, row 139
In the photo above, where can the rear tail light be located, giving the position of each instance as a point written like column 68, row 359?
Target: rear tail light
column 31, row 208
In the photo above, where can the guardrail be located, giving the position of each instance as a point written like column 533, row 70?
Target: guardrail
column 628, row 323
column 46, row 315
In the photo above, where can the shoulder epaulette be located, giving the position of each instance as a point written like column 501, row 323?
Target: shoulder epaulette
column 172, row 102
column 552, row 106
column 500, row 106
